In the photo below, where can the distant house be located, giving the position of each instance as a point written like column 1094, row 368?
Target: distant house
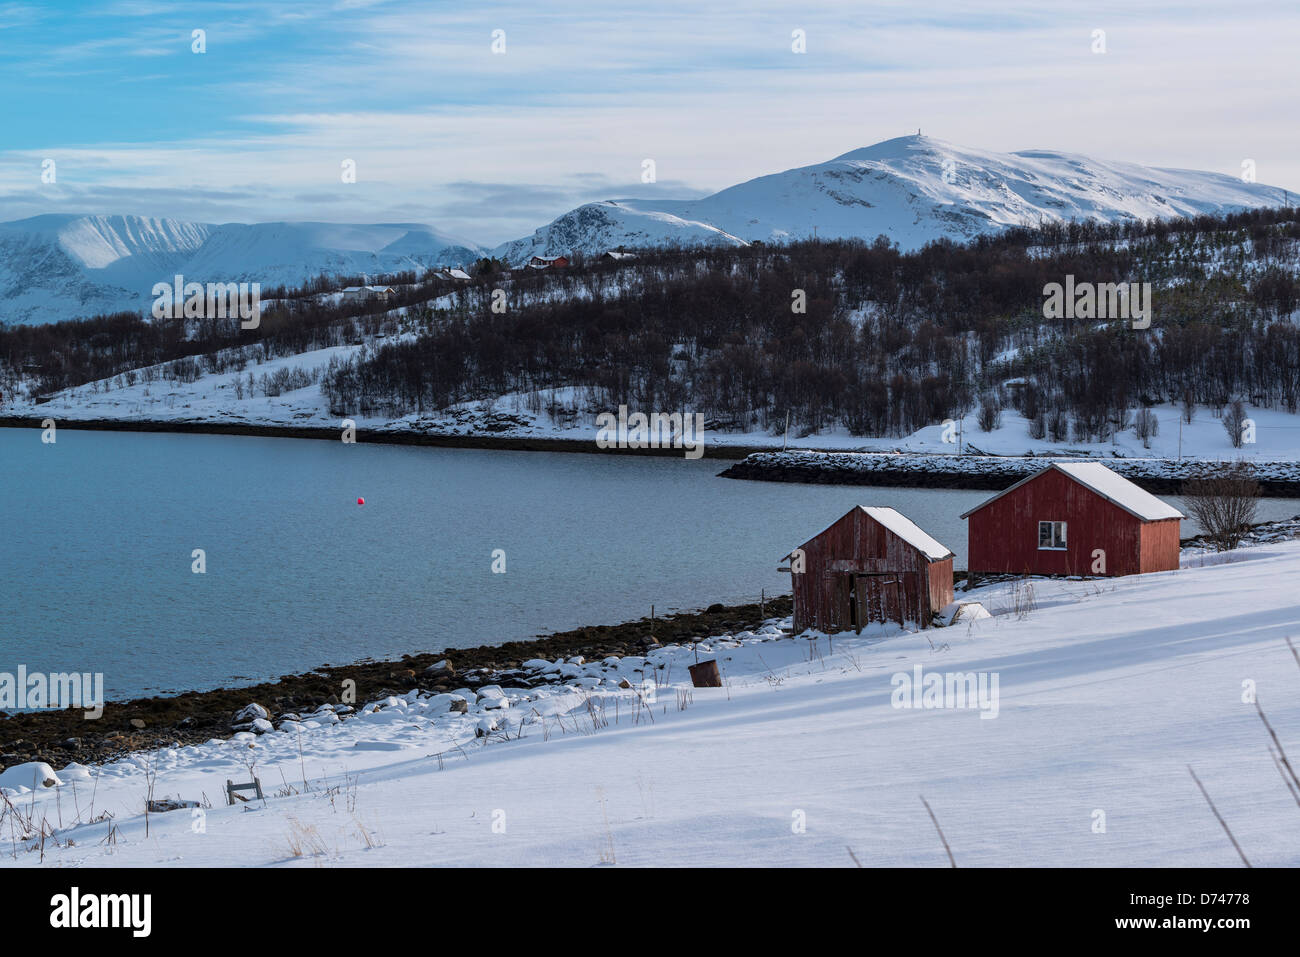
column 457, row 274
column 367, row 293
column 617, row 255
column 547, row 262
column 873, row 565
column 1073, row 518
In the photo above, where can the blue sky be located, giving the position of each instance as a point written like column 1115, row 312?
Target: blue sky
column 490, row 146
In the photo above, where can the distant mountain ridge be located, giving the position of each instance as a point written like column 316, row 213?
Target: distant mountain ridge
column 64, row 266
column 912, row 189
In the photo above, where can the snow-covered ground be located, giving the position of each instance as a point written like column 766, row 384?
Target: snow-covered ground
column 213, row 398
column 1276, row 437
column 1106, row 692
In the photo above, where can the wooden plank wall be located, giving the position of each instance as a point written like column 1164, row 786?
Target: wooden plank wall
column 1003, row 537
column 858, row 544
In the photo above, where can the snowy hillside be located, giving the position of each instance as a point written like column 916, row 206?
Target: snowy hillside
column 64, row 267
column 1098, row 695
column 597, row 227
column 913, row 189
column 212, row 399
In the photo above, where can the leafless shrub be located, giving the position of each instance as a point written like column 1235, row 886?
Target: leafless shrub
column 369, row 838
column 304, row 840
column 1234, row 421
column 990, row 413
column 1146, row 426
column 596, row 712
column 1023, row 600
column 1038, row 426
column 1223, row 502
column 607, row 844
column 1058, row 425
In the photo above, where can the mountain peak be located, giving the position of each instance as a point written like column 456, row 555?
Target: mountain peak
column 900, row 147
column 912, row 189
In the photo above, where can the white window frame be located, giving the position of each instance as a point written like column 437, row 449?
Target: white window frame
column 1062, row 539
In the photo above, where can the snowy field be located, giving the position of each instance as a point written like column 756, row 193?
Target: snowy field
column 1106, row 691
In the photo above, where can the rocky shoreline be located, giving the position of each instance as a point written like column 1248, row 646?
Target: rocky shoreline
column 978, row 472
column 374, row 436
column 61, row 737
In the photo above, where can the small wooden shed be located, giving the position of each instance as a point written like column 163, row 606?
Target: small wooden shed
column 873, row 565
column 1073, row 518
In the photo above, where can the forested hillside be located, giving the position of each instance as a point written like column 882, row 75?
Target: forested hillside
column 843, row 333
column 887, row 342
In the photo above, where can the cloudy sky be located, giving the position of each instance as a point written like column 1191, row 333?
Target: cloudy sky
column 489, row 145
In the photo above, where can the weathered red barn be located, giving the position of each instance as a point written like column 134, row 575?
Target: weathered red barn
column 1073, row 518
column 873, row 565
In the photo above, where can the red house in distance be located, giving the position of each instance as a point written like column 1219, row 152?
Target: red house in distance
column 1073, row 518
column 874, row 565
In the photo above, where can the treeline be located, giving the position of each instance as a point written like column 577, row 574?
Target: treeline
column 47, row 358
column 834, row 333
column 886, row 342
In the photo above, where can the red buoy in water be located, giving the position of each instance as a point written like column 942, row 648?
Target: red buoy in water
column 361, row 501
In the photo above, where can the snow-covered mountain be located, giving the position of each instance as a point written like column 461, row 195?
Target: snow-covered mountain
column 596, row 227
column 64, row 266
column 913, row 189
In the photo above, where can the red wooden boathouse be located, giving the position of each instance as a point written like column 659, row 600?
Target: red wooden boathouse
column 1073, row 518
column 873, row 565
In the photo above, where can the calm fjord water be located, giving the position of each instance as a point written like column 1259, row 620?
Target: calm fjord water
column 98, row 531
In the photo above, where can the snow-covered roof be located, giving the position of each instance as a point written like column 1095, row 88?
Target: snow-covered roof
column 908, row 531
column 458, row 274
column 1109, row 485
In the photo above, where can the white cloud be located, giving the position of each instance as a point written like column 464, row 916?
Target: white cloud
column 416, row 97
